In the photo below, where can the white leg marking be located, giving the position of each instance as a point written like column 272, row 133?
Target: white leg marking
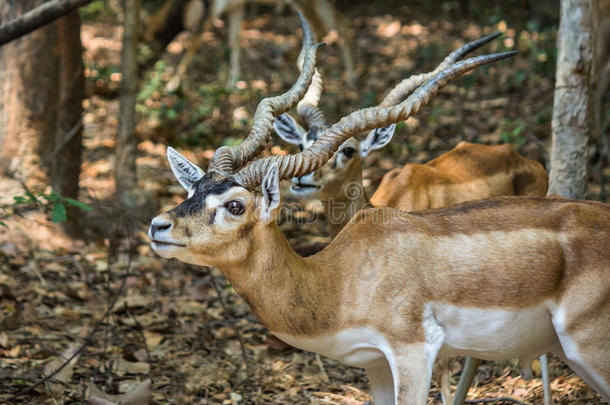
column 435, row 336
column 411, row 374
column 381, row 382
column 574, row 358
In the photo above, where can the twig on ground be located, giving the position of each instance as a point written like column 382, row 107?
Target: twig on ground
column 321, row 367
column 505, row 398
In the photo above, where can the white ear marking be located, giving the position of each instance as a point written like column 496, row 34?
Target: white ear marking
column 271, row 193
column 377, row 139
column 186, row 172
column 288, row 129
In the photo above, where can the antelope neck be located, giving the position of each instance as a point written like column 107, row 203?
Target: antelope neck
column 288, row 294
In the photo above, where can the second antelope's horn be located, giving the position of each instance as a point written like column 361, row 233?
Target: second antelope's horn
column 229, row 159
column 359, row 121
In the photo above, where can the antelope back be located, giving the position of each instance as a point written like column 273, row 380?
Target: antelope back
column 467, row 172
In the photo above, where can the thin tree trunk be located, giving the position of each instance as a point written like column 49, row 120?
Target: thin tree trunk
column 573, row 114
column 126, row 145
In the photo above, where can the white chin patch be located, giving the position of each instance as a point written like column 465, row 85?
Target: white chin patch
column 304, row 191
column 166, row 251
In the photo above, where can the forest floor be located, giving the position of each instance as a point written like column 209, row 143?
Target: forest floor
column 156, row 327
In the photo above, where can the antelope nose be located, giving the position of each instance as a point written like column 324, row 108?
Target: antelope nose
column 159, row 225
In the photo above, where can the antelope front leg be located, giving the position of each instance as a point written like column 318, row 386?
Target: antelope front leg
column 412, row 372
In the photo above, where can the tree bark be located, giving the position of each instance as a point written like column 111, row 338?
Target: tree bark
column 126, row 144
column 573, row 113
column 66, row 159
column 41, row 87
column 36, row 18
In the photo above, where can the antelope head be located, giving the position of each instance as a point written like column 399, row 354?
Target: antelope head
column 218, row 215
column 345, row 166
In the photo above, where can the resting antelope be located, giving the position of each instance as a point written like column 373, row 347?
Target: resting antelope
column 497, row 278
column 468, row 172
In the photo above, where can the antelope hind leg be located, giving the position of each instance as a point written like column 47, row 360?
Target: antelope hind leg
column 582, row 327
column 444, row 380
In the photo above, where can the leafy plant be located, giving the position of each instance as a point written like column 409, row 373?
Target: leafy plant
column 52, row 202
column 154, row 101
column 514, row 132
column 96, row 10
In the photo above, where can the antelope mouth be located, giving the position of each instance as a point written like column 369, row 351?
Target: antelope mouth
column 160, row 243
column 304, row 188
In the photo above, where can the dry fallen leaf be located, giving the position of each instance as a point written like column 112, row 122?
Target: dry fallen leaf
column 123, row 367
column 140, row 395
column 65, row 374
column 152, row 339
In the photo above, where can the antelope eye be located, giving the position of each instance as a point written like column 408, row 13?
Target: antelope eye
column 235, row 207
column 349, row 151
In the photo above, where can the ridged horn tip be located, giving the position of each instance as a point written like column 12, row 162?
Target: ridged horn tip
column 501, row 55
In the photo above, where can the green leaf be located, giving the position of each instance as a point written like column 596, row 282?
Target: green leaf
column 77, row 203
column 59, row 213
column 52, row 197
column 171, row 114
column 32, row 197
column 4, row 225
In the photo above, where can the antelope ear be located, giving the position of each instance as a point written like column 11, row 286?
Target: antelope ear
column 185, row 171
column 271, row 194
column 288, row 129
column 377, row 139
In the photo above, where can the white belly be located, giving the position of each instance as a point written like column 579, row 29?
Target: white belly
column 357, row 347
column 494, row 334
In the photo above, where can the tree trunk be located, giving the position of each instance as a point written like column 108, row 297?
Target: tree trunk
column 27, row 120
column 126, row 144
column 41, row 87
column 67, row 149
column 573, row 114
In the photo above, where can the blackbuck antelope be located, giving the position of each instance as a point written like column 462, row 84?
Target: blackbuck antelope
column 468, row 172
column 497, row 278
